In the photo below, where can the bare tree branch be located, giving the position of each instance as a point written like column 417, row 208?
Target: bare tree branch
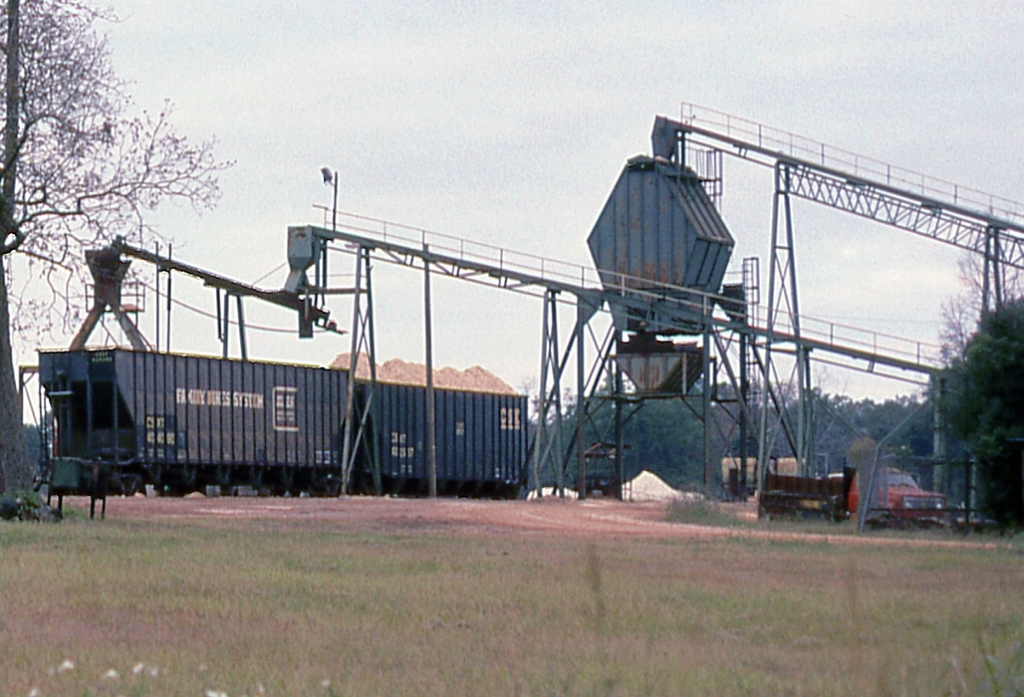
column 77, row 170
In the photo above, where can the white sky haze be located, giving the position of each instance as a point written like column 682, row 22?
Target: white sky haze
column 509, row 123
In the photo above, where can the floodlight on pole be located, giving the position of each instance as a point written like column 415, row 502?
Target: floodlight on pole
column 331, row 177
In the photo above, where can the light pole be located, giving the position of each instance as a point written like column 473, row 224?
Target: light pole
column 321, row 257
column 332, row 178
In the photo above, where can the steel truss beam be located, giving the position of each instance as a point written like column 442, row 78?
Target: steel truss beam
column 767, row 156
column 363, row 340
column 661, row 308
column 939, row 217
column 927, row 220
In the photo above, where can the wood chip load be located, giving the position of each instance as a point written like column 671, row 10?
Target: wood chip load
column 474, row 379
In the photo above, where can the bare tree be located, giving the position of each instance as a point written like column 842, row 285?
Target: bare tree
column 77, row 170
column 962, row 312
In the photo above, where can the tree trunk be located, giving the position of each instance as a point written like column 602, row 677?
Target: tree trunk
column 12, row 94
column 15, row 470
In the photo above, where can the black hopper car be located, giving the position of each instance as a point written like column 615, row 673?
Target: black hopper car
column 184, row 423
column 480, row 438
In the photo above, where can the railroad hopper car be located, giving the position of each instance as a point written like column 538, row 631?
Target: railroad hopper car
column 481, row 441
column 183, row 423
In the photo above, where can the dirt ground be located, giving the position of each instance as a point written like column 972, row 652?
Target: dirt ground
column 550, row 516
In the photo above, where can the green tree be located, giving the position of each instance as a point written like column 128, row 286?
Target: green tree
column 667, row 439
column 987, row 409
column 660, row 435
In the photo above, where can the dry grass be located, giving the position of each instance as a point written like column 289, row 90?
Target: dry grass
column 301, row 608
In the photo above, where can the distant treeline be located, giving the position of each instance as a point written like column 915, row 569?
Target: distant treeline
column 667, row 436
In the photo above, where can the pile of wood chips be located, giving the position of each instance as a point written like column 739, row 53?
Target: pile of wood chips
column 475, row 379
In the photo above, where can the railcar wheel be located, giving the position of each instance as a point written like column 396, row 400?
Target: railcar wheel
column 256, row 476
column 286, row 479
column 130, row 484
column 224, row 476
column 332, row 486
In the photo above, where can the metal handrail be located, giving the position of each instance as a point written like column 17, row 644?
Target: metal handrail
column 800, row 147
column 823, row 331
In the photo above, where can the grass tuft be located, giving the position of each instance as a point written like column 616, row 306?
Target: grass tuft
column 701, row 513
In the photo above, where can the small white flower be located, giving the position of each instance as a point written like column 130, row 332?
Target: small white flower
column 215, row 693
column 34, row 692
column 259, row 688
column 325, row 683
column 152, row 671
column 138, row 668
column 65, row 665
column 111, row 674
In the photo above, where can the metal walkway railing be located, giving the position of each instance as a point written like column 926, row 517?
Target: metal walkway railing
column 484, row 262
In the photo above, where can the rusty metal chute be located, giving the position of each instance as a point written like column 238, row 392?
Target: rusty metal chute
column 108, row 272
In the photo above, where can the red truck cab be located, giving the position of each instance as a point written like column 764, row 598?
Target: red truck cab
column 899, row 499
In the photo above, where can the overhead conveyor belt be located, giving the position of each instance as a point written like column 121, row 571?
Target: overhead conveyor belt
column 943, row 211
column 661, row 305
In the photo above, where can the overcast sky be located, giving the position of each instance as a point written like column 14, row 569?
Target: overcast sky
column 509, row 123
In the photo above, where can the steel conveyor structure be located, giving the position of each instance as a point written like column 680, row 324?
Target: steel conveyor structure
column 657, row 304
column 965, row 218
column 111, row 258
column 662, row 307
column 971, row 220
column 686, row 153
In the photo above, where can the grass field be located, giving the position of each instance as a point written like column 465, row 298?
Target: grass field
column 200, row 607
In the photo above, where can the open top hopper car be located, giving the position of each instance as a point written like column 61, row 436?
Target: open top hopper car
column 183, row 423
column 481, row 441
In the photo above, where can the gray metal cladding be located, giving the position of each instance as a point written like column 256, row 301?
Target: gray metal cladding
column 660, row 226
column 481, row 438
column 191, row 410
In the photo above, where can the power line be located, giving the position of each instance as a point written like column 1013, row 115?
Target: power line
column 270, row 273
column 210, row 315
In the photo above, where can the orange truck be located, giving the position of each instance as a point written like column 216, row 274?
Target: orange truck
column 899, row 500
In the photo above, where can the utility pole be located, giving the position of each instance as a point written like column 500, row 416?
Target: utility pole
column 431, row 436
column 581, row 406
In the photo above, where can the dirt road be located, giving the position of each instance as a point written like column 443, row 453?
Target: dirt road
column 600, row 517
